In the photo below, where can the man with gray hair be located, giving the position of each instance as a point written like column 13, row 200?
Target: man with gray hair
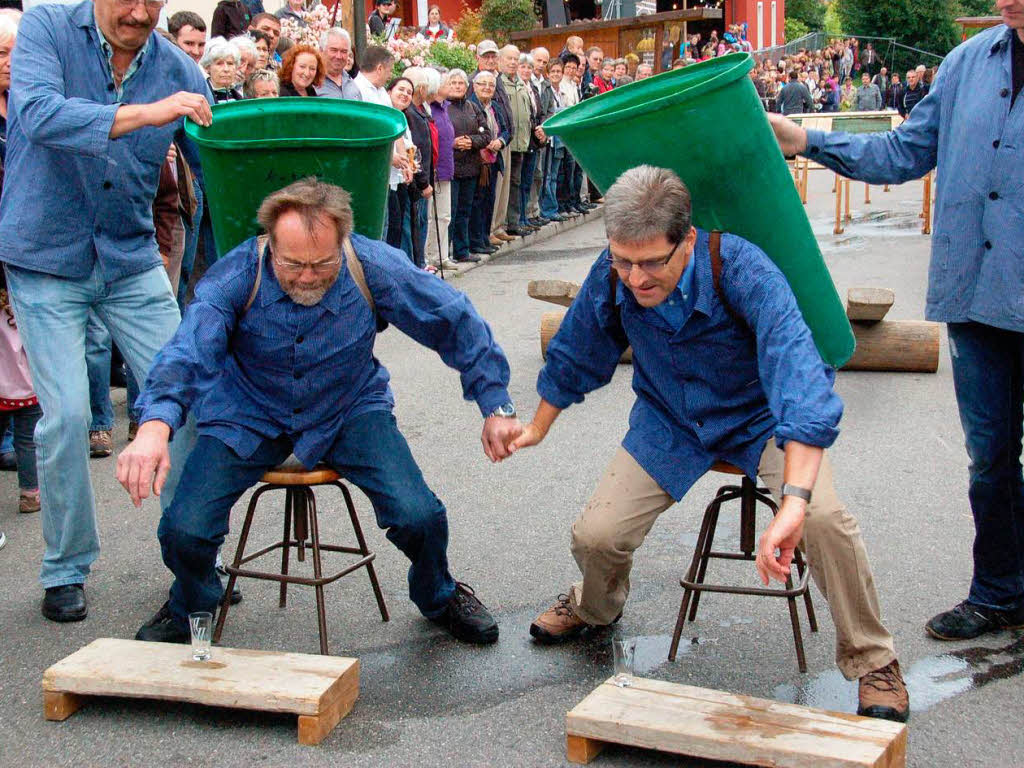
column 336, row 46
column 286, row 332
column 725, row 370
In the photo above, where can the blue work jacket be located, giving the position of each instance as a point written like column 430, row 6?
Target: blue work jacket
column 282, row 368
column 71, row 193
column 710, row 387
column 965, row 128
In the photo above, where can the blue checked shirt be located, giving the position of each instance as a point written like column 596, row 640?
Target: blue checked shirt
column 706, row 389
column 966, row 128
column 286, row 369
column 72, row 194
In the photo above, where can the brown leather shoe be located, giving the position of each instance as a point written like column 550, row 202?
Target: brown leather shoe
column 100, row 444
column 28, row 502
column 502, row 235
column 883, row 694
column 558, row 623
column 495, row 240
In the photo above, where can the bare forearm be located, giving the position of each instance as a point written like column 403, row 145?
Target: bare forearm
column 802, row 463
column 128, row 118
column 545, row 416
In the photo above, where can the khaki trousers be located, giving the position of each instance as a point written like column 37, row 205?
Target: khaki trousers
column 627, row 501
column 501, row 190
column 441, row 202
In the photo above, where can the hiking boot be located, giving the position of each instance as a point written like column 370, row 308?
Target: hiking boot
column 558, row 623
column 162, row 628
column 968, row 620
column 100, row 444
column 883, row 694
column 28, row 501
column 467, row 619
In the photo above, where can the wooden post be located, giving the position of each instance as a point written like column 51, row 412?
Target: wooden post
column 838, row 189
column 659, row 38
column 803, row 182
column 846, row 185
column 885, row 188
column 867, row 194
column 58, row 705
column 926, row 213
column 582, row 750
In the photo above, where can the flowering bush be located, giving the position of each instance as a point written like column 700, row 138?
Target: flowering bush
column 318, row 20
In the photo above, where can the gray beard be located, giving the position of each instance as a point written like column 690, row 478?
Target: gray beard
column 307, row 298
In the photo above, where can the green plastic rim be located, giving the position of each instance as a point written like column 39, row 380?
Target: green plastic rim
column 377, row 124
column 652, row 93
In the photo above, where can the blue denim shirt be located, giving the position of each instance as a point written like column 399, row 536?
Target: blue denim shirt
column 286, row 369
column 965, row 128
column 72, row 194
column 709, row 389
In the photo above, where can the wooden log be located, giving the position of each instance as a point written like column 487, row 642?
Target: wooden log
column 907, row 345
column 868, row 305
column 549, row 324
column 560, row 292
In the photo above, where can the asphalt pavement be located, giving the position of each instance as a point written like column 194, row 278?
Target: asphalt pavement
column 425, row 699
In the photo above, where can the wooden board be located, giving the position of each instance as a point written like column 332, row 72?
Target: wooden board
column 560, row 292
column 320, row 689
column 868, row 305
column 708, row 724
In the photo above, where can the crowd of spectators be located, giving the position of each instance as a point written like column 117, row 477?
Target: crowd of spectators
column 838, row 78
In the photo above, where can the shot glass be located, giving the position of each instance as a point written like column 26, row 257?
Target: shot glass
column 201, row 624
column 624, row 655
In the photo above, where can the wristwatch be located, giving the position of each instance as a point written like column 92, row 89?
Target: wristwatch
column 507, row 411
column 796, row 490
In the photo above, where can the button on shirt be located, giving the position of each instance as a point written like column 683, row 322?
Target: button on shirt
column 74, row 195
column 706, row 388
column 966, row 128
column 303, row 372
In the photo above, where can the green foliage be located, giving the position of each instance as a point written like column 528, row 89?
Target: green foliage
column 974, row 8
column 469, row 27
column 925, row 24
column 833, row 24
column 502, row 17
column 809, row 13
column 452, row 56
column 794, row 29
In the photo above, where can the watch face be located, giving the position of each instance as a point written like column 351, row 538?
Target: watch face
column 507, row 410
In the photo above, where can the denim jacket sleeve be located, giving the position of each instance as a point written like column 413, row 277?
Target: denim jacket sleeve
column 437, row 316
column 46, row 115
column 584, row 353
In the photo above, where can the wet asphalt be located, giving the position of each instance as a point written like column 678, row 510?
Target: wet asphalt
column 427, row 700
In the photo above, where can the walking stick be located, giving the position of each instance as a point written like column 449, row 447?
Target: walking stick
column 437, row 234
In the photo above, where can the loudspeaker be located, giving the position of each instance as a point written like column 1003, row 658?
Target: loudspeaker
column 554, row 13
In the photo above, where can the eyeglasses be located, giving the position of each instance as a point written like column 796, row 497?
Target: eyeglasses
column 650, row 266
column 151, row 5
column 318, row 267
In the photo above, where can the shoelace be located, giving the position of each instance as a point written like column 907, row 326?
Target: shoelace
column 563, row 607
column 886, row 679
column 466, row 597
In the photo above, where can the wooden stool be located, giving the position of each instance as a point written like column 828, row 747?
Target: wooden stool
column 300, row 515
column 693, row 584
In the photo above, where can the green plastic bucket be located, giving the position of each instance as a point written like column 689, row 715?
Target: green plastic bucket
column 258, row 146
column 707, row 124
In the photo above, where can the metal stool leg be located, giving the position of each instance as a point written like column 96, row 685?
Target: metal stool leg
column 800, row 565
column 364, row 551
column 709, row 540
column 286, row 548
column 798, row 638
column 222, row 614
column 690, row 575
column 314, row 535
column 300, row 518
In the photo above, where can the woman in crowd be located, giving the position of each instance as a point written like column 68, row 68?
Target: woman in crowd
column 471, row 135
column 247, row 58
column 401, row 89
column 603, row 79
column 302, row 70
column 261, row 42
column 220, row 60
column 262, row 84
column 620, row 70
column 425, row 83
column 847, row 95
column 435, row 29
column 440, row 217
column 484, row 85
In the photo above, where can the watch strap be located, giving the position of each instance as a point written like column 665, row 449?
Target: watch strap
column 795, row 490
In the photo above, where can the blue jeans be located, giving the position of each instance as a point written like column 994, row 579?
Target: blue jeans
column 549, row 193
column 525, row 182
column 988, row 375
column 97, row 362
column 53, row 315
column 462, row 208
column 369, row 452
column 24, row 422
column 188, row 258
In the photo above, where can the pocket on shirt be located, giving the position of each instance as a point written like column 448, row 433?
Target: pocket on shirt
column 939, row 275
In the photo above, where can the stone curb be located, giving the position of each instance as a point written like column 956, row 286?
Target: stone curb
column 546, row 233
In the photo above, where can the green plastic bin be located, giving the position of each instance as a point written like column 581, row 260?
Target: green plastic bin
column 258, row 146
column 707, row 124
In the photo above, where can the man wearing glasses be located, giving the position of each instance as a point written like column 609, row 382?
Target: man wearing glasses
column 724, row 369
column 286, row 334
column 96, row 100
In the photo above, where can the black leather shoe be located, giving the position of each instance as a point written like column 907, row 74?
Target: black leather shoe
column 467, row 619
column 8, row 462
column 969, row 620
column 540, row 221
column 518, row 231
column 467, row 259
column 66, row 603
column 485, row 249
column 236, row 593
column 162, row 628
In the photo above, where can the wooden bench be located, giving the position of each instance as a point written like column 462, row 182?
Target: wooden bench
column 715, row 725
column 319, row 689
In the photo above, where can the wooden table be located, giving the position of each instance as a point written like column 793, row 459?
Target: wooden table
column 715, row 725
column 319, row 689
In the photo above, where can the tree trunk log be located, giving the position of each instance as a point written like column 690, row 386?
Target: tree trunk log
column 868, row 305
column 907, row 345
